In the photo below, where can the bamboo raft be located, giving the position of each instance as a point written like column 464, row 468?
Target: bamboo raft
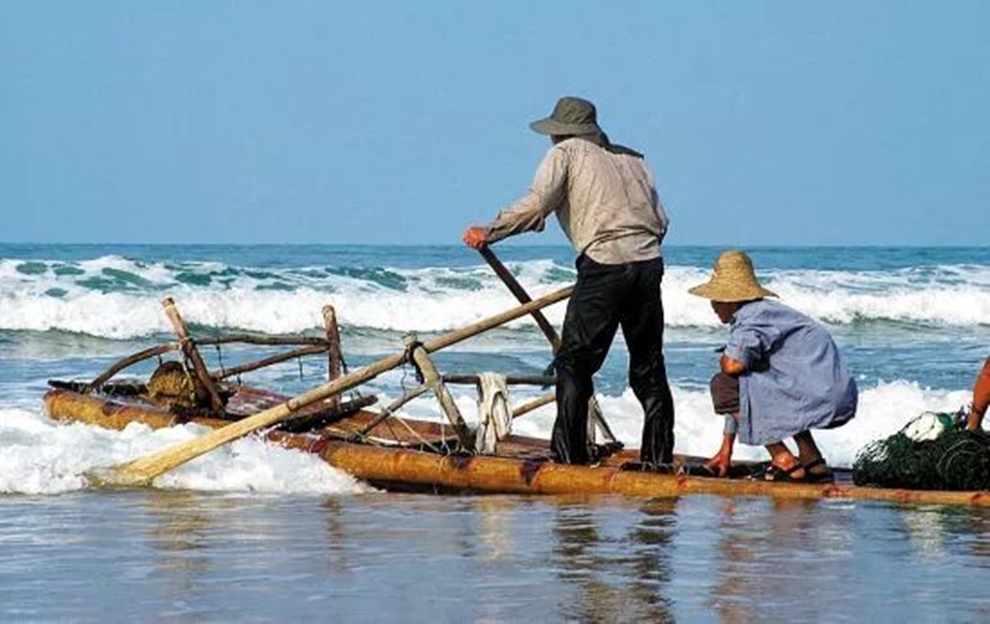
column 399, row 458
column 396, row 453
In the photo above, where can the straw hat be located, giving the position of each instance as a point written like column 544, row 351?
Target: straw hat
column 732, row 280
column 571, row 116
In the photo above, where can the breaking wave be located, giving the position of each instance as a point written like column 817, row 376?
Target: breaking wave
column 119, row 298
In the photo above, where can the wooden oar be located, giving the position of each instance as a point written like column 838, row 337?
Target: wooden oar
column 142, row 471
column 520, row 294
column 510, row 281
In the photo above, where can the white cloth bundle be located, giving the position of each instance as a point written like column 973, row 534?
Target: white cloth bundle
column 494, row 413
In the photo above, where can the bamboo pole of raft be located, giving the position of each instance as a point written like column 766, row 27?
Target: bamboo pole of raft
column 334, row 357
column 262, row 340
column 524, row 380
column 129, row 361
column 322, row 418
column 316, row 345
column 268, row 361
column 510, row 281
column 432, row 379
column 142, row 471
column 191, row 352
column 389, row 410
column 482, row 473
column 536, row 403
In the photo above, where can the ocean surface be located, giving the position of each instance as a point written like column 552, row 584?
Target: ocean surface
column 255, row 533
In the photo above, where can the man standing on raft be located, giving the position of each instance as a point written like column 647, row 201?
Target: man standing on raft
column 606, row 203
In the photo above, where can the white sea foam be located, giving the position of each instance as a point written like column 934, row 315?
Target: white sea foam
column 118, row 298
column 38, row 456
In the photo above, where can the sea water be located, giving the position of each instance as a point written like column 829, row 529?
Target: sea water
column 251, row 532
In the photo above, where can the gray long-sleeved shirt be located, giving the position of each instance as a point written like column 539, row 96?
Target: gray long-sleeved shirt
column 606, row 203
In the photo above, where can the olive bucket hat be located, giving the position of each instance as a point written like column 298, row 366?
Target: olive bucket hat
column 733, row 279
column 571, row 116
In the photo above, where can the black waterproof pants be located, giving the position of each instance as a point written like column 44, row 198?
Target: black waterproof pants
column 605, row 298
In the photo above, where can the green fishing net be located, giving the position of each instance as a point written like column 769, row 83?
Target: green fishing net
column 932, row 452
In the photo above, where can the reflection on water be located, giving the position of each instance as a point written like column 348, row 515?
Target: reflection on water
column 937, row 533
column 179, row 537
column 925, row 529
column 377, row 557
column 787, row 553
column 335, row 534
column 495, row 527
column 617, row 568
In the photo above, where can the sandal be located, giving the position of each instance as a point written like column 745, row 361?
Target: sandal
column 818, row 477
column 783, row 475
column 775, row 473
column 641, row 466
column 700, row 470
column 756, row 471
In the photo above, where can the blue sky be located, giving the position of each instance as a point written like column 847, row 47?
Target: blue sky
column 767, row 123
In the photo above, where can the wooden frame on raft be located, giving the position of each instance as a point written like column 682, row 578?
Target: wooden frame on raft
column 143, row 471
column 210, row 380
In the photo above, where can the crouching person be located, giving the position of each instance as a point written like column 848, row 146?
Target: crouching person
column 781, row 375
